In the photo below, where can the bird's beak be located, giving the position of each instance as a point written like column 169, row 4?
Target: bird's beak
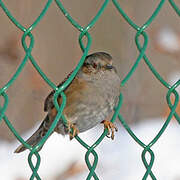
column 109, row 67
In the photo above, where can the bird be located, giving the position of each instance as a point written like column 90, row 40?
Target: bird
column 90, row 100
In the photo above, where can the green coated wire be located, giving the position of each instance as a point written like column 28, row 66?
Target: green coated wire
column 142, row 51
column 148, row 166
column 175, row 7
column 140, row 31
column 5, row 105
column 36, row 167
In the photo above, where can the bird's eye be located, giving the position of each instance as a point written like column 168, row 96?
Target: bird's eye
column 94, row 65
column 109, row 66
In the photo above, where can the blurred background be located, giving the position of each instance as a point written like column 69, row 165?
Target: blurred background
column 57, row 52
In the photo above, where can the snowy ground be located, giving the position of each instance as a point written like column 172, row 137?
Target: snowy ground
column 118, row 159
column 121, row 159
column 57, row 155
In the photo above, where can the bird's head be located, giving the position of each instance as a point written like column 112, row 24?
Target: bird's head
column 97, row 62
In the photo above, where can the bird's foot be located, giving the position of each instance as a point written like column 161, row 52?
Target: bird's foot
column 110, row 127
column 72, row 130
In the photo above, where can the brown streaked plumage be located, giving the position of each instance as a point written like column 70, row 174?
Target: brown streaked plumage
column 91, row 97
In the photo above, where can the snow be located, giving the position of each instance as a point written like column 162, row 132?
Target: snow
column 121, row 159
column 57, row 154
column 118, row 159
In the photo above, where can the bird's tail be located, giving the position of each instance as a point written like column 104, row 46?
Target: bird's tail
column 36, row 137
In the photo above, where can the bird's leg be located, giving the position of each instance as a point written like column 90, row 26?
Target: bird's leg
column 111, row 128
column 72, row 130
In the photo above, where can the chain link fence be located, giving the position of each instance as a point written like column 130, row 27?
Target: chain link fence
column 84, row 34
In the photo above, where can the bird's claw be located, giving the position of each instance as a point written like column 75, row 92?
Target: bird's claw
column 73, row 131
column 110, row 127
